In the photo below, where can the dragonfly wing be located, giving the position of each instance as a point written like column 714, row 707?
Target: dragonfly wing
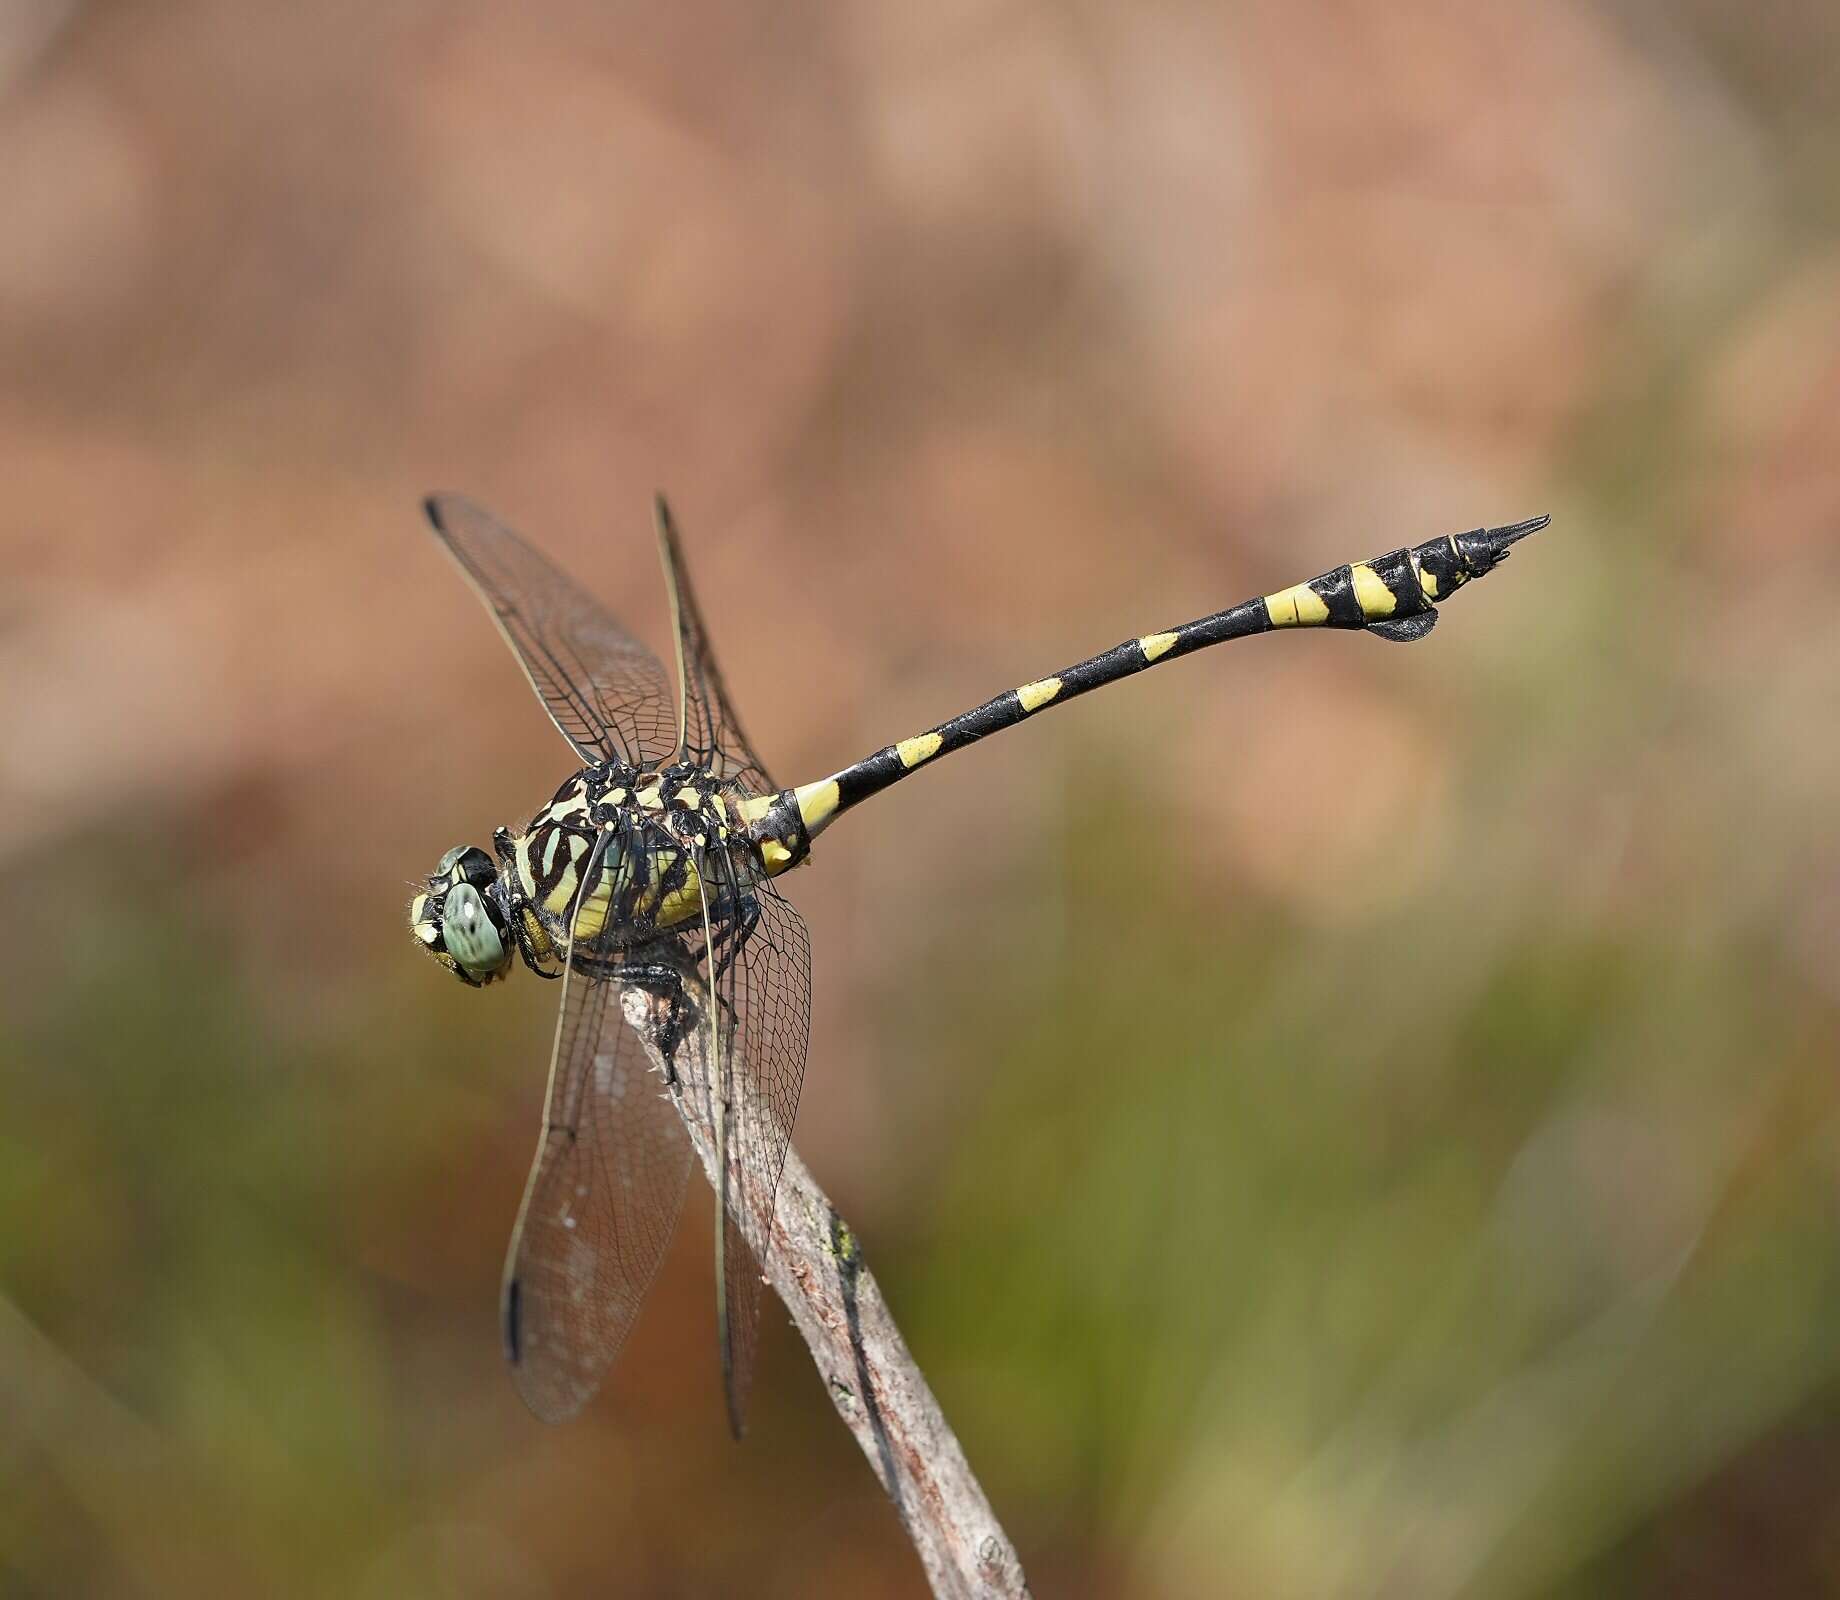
column 711, row 733
column 604, row 690
column 762, row 977
column 601, row 1204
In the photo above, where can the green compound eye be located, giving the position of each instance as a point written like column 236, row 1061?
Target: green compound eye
column 465, row 863
column 467, row 930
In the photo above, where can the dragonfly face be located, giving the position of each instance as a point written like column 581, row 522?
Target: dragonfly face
column 460, row 918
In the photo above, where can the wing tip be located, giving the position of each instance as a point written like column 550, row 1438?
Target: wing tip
column 447, row 512
column 544, row 1398
column 442, row 506
column 511, row 1324
column 733, row 1401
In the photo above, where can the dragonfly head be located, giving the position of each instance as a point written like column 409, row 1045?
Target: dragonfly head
column 459, row 919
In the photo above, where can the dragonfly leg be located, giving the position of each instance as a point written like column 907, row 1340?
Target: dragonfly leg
column 732, row 935
column 665, row 981
column 526, row 947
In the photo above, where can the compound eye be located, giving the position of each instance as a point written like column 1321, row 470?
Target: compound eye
column 465, row 863
column 477, row 868
column 469, row 934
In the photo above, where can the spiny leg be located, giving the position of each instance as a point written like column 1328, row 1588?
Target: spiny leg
column 528, row 950
column 732, row 935
column 666, row 982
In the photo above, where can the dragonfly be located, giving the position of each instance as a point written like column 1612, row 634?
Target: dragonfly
column 656, row 866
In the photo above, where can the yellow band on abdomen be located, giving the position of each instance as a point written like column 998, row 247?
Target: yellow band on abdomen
column 922, row 747
column 1299, row 606
column 1376, row 599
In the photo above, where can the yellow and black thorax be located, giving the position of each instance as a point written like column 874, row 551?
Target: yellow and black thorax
column 633, row 855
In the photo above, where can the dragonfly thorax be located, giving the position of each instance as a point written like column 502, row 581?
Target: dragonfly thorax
column 621, row 856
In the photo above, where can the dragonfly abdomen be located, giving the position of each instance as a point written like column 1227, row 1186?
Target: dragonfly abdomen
column 1393, row 596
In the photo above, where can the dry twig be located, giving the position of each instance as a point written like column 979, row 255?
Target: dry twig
column 816, row 1267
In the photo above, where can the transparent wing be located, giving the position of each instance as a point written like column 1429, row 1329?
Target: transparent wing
column 600, row 1207
column 762, row 976
column 712, row 734
column 605, row 691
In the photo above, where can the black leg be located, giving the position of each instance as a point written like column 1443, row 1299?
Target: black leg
column 666, row 981
column 731, row 936
column 526, row 948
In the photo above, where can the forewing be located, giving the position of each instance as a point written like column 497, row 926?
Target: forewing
column 764, row 994
column 605, row 691
column 712, row 733
column 599, row 1209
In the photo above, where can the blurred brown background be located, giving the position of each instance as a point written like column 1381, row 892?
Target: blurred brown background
column 1333, row 1121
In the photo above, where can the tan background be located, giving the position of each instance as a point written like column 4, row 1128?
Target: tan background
column 1334, row 1121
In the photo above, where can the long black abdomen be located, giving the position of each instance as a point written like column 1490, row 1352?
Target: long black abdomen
column 1395, row 596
